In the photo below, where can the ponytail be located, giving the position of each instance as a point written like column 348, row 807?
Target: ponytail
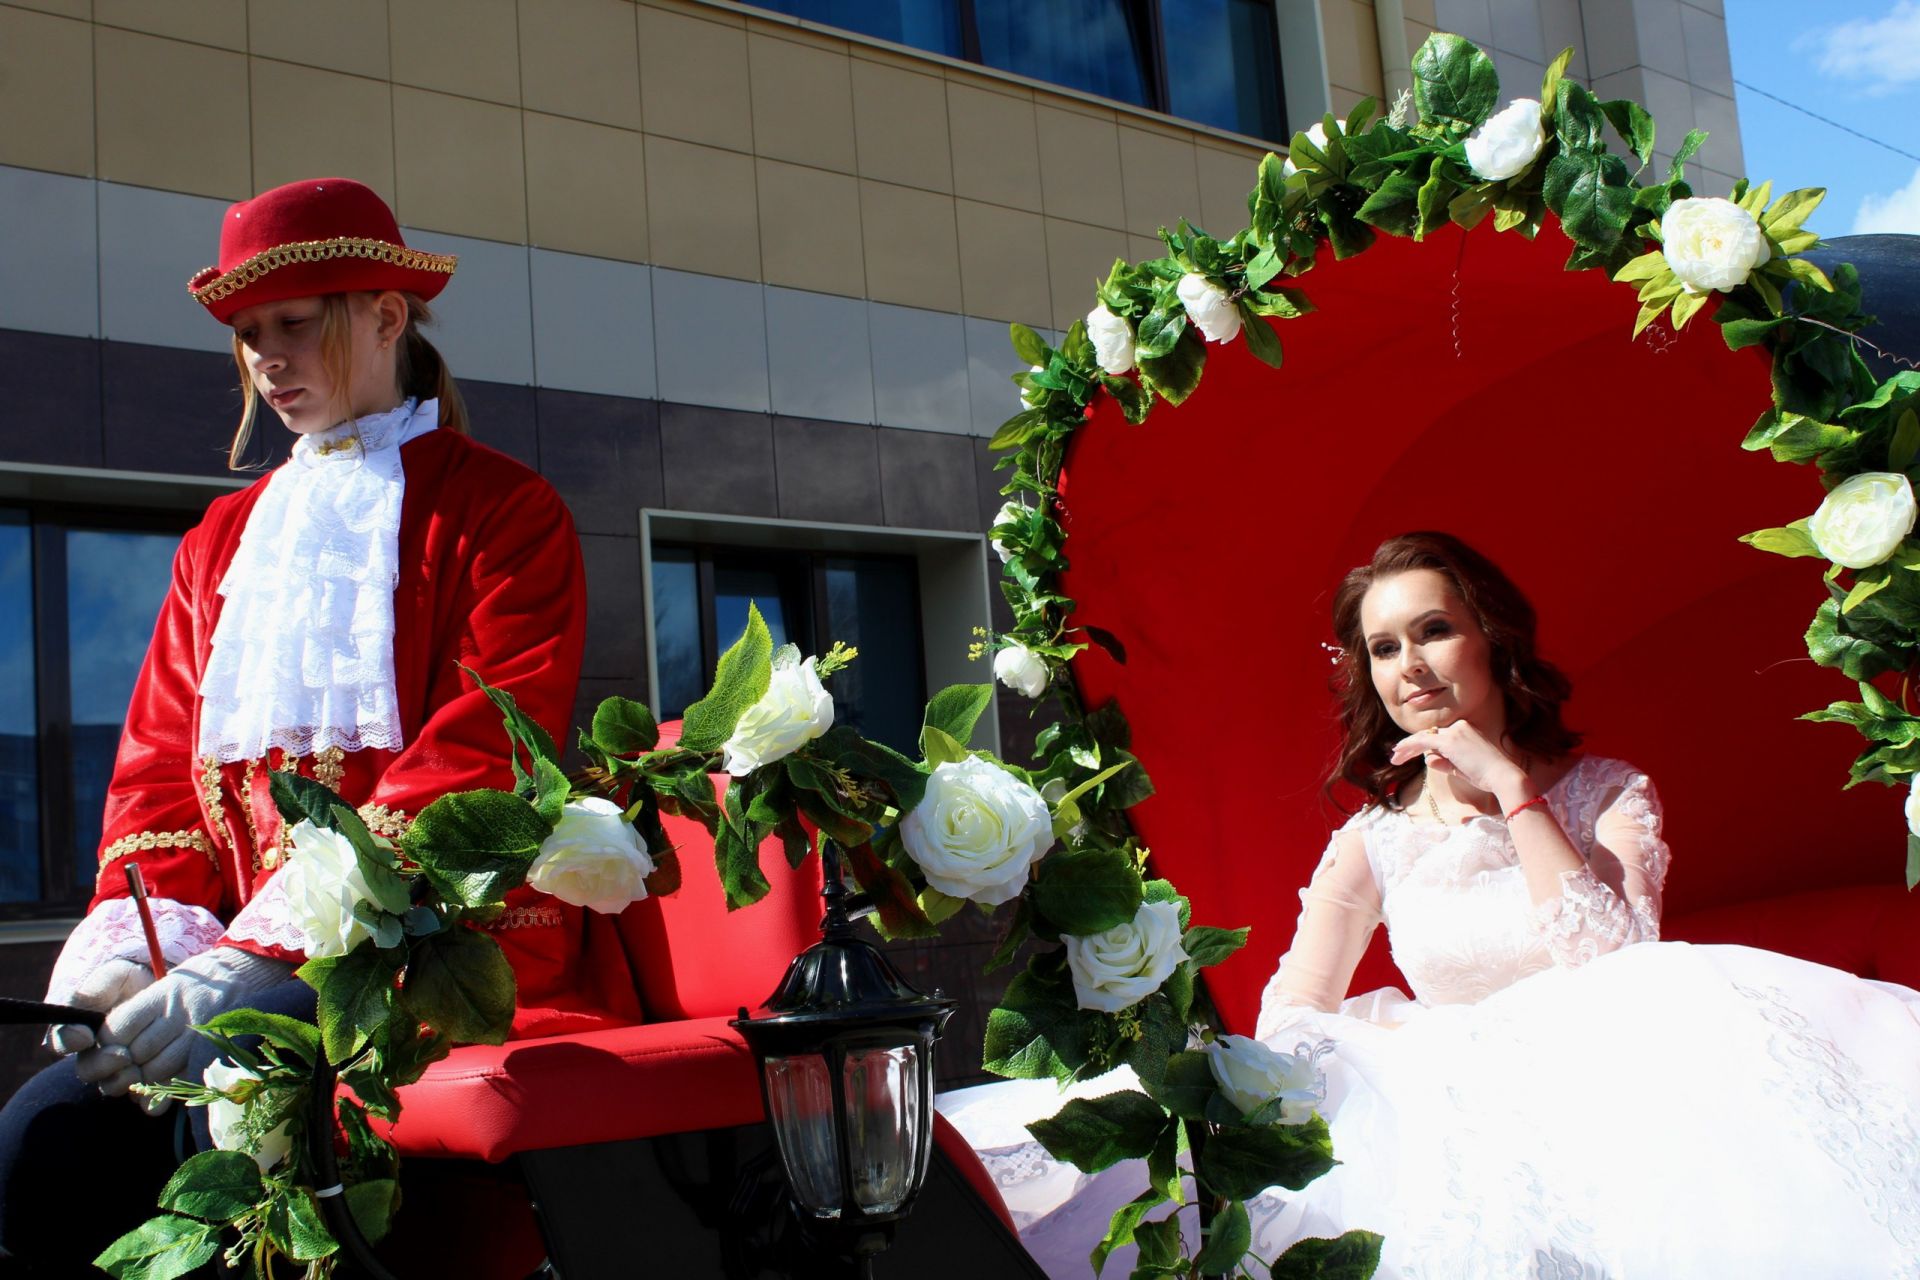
column 423, row 371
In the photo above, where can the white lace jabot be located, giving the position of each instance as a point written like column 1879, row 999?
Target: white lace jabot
column 303, row 652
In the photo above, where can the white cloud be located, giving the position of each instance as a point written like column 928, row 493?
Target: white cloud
column 1879, row 54
column 1898, row 211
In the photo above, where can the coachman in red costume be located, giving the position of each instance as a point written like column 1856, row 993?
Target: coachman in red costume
column 316, row 624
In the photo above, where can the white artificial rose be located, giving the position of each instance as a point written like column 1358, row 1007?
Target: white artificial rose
column 1508, row 142
column 795, row 709
column 1209, row 307
column 1317, row 135
column 1913, row 806
column 1112, row 339
column 1863, row 519
column 224, row 1116
column 1711, row 243
column 977, row 831
column 1010, row 512
column 594, row 858
column 1020, row 668
column 323, row 882
column 1118, row 969
column 1251, row 1075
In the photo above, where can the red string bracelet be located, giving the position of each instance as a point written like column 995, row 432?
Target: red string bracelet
column 1522, row 808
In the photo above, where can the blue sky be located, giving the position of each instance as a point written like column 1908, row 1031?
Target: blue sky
column 1854, row 61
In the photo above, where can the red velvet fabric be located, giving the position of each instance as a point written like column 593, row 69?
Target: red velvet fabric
column 1470, row 384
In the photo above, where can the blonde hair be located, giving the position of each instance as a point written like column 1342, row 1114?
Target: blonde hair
column 420, row 370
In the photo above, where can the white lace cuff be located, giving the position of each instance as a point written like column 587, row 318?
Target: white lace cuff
column 1588, row 919
column 111, row 931
column 267, row 921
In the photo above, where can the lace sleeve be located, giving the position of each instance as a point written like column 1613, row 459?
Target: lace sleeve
column 1339, row 910
column 1615, row 898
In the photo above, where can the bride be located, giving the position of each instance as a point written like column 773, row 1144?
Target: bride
column 1565, row 1097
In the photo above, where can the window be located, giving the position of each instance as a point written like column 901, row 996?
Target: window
column 79, row 592
column 808, row 598
column 1214, row 61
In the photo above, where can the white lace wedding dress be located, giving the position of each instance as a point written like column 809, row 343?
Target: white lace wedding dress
column 1555, row 1103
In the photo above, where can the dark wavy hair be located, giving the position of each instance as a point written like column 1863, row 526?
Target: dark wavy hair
column 1533, row 688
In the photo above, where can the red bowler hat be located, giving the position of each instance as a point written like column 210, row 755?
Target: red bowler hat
column 320, row 235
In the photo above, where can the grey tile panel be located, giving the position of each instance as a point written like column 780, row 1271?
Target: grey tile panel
column 592, row 324
column 927, row 480
column 484, row 317
column 502, row 416
column 50, row 399
column 920, row 369
column 718, row 460
column 827, row 471
column 819, row 356
column 172, row 411
column 710, row 340
column 49, row 254
column 991, row 363
column 151, row 243
column 603, row 455
column 616, row 636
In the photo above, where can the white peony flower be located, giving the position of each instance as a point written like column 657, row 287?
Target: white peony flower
column 1251, row 1075
column 594, row 858
column 1112, row 339
column 1317, row 135
column 224, row 1116
column 1913, row 806
column 322, row 881
column 977, row 832
column 1020, row 668
column 1118, row 969
column 795, row 709
column 1209, row 307
column 1508, row 142
column 1711, row 243
column 1009, row 513
column 1864, row 518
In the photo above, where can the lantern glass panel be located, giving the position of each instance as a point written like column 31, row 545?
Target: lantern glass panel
column 886, row 1102
column 800, row 1105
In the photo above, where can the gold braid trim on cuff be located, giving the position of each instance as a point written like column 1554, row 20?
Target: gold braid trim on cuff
column 281, row 255
column 149, row 840
column 541, row 917
column 382, row 821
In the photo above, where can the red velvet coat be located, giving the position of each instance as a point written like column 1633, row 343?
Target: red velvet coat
column 490, row 576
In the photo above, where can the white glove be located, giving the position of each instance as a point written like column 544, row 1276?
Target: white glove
column 147, row 1037
column 110, row 982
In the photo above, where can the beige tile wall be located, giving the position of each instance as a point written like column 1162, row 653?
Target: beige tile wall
column 684, row 134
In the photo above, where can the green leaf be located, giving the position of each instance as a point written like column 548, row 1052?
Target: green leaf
column 1792, row 540
column 1174, row 375
column 218, row 1186
column 1241, row 1163
column 737, row 858
column 1592, row 195
column 461, row 984
column 1634, row 124
column 1864, row 589
column 356, row 992
column 1029, row 346
column 1160, row 1248
column 740, row 678
column 894, row 901
column 957, row 708
column 1187, row 1085
column 1833, row 642
column 1121, row 1226
column 305, row 1227
column 376, row 863
column 1161, row 1034
column 551, row 791
column 160, row 1249
column 1087, row 891
column 1906, row 442
column 1161, row 328
column 1353, row 1256
column 1259, row 336
column 521, row 728
column 625, row 727
column 1913, row 861
column 1037, row 1031
column 1095, row 1133
column 1206, row 945
column 372, row 1204
column 1229, row 1237
column 1689, row 148
column 300, row 798
column 292, row 1034
column 1454, row 82
column 1394, row 206
column 476, row 846
column 1164, row 1173
column 940, row 747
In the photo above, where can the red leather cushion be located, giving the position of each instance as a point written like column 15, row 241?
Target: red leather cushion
column 1467, row 383
column 1871, row 930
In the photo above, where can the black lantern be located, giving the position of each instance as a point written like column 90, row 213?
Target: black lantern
column 846, row 1072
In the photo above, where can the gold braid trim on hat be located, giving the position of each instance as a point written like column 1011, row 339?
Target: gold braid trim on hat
column 282, row 255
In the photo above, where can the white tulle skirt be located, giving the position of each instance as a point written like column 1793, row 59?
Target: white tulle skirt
column 1665, row 1111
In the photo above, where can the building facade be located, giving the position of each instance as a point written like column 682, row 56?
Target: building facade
column 735, row 278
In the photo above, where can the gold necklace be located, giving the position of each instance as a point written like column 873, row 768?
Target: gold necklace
column 1426, row 786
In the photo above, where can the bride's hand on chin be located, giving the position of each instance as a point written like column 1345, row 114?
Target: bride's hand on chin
column 1463, row 751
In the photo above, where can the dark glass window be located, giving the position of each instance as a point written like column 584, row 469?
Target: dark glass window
column 79, row 592
column 810, row 599
column 1214, row 61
